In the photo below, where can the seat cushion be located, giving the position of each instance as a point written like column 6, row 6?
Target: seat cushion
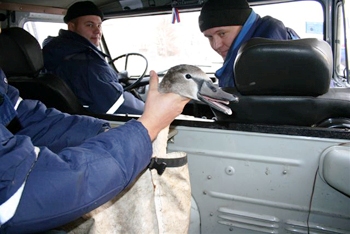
column 288, row 110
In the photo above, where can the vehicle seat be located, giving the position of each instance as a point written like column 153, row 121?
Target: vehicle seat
column 286, row 83
column 22, row 61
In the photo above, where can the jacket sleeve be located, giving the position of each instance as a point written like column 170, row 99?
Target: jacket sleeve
column 96, row 84
column 50, row 127
column 105, row 91
column 61, row 187
column 102, row 86
column 84, row 68
column 54, row 129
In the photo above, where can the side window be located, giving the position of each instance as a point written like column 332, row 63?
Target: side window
column 42, row 30
column 342, row 41
column 309, row 20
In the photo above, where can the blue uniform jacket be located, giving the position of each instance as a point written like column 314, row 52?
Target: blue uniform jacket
column 58, row 167
column 84, row 68
column 255, row 26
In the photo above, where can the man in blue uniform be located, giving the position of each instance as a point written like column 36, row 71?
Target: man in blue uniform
column 75, row 57
column 55, row 167
column 228, row 24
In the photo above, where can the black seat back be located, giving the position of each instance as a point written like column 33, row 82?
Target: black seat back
column 287, row 68
column 286, row 83
column 22, row 61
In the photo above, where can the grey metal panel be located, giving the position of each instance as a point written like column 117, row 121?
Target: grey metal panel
column 260, row 183
column 335, row 167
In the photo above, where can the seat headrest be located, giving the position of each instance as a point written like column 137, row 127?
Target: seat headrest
column 20, row 53
column 300, row 67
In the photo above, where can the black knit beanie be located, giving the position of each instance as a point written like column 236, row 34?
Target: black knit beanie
column 218, row 13
column 80, row 9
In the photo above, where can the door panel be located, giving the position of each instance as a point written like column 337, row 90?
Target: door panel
column 248, row 182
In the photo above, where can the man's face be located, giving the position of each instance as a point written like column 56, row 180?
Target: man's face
column 88, row 26
column 221, row 38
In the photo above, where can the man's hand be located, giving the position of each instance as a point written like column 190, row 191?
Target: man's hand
column 160, row 108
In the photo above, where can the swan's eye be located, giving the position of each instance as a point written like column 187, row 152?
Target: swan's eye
column 188, row 76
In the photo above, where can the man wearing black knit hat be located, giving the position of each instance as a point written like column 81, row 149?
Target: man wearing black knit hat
column 228, row 24
column 85, row 19
column 75, row 57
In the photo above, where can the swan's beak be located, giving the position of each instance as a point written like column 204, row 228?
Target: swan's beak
column 214, row 96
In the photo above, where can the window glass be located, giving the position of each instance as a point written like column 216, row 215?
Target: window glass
column 342, row 42
column 346, row 54
column 41, row 30
column 163, row 43
column 309, row 20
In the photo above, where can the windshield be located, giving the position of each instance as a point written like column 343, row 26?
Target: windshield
column 166, row 44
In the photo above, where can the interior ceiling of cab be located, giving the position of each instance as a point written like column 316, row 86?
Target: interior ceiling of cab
column 107, row 6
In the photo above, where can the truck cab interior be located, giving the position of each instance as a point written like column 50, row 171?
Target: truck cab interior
column 279, row 164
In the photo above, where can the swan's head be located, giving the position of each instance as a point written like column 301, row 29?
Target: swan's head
column 191, row 82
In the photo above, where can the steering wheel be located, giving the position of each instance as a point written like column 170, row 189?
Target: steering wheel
column 125, row 77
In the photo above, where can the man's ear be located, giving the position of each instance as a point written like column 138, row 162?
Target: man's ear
column 71, row 26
